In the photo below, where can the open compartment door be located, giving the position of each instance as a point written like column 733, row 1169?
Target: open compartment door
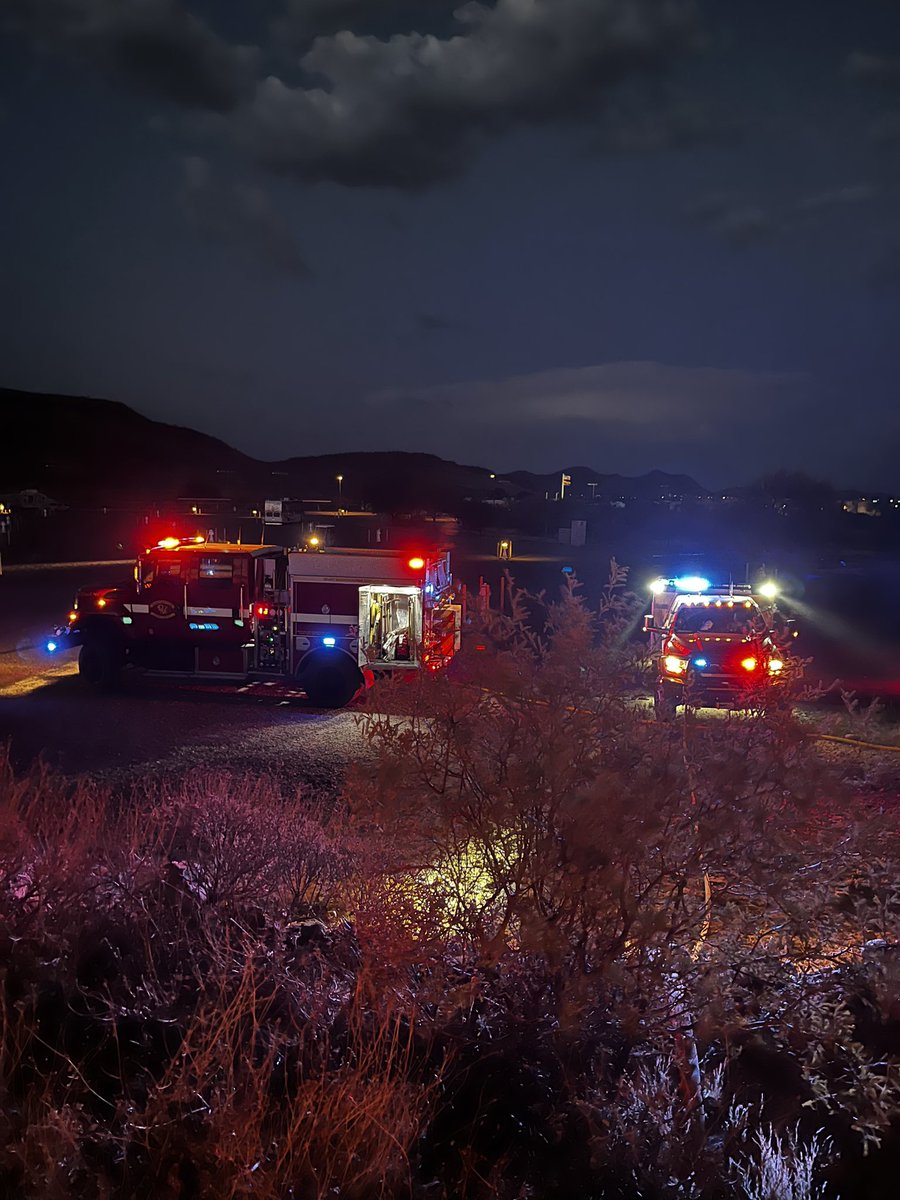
column 390, row 626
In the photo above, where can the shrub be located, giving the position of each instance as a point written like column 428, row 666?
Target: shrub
column 542, row 947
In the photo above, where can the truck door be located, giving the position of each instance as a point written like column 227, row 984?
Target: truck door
column 270, row 617
column 162, row 588
column 216, row 588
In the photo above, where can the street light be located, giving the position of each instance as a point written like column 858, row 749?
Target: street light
column 340, row 483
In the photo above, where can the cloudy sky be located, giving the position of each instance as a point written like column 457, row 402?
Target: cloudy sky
column 629, row 234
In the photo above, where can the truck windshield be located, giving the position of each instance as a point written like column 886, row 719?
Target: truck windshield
column 709, row 619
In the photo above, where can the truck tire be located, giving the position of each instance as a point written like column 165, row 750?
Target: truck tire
column 331, row 684
column 664, row 705
column 100, row 664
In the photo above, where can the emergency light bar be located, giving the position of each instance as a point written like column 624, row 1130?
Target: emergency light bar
column 172, row 543
column 698, row 584
column 686, row 583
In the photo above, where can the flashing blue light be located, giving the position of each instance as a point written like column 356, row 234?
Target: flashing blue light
column 51, row 647
column 691, row 583
column 329, row 642
column 203, row 626
column 700, row 662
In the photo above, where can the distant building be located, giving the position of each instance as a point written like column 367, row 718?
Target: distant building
column 30, row 500
column 863, row 507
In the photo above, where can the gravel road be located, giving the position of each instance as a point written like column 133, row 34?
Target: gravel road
column 153, row 727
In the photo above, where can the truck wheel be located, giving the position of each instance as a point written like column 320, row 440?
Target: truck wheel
column 100, row 665
column 330, row 685
column 664, row 704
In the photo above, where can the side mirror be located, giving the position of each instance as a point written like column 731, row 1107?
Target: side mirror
column 786, row 628
column 649, row 627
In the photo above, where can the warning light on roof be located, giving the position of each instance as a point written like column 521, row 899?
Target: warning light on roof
column 691, row 583
column 658, row 586
column 416, row 564
column 169, row 543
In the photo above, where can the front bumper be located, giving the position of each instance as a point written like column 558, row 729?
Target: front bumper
column 63, row 638
column 717, row 689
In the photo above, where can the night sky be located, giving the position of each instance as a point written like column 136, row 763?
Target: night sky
column 629, row 234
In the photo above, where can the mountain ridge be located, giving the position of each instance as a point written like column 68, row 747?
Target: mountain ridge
column 85, row 448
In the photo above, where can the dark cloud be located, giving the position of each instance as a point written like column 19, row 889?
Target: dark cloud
column 157, row 46
column 857, row 193
column 734, row 218
column 635, row 395
column 240, row 215
column 873, row 68
column 742, row 221
column 616, row 405
column 407, row 110
column 301, row 21
column 390, row 92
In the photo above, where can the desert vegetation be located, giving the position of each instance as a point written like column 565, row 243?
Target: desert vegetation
column 540, row 947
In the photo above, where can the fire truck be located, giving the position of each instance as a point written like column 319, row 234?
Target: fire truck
column 327, row 620
column 717, row 646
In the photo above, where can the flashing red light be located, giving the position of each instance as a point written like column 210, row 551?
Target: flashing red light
column 749, row 664
column 416, row 564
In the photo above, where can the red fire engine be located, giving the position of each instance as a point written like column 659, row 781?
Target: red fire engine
column 329, row 620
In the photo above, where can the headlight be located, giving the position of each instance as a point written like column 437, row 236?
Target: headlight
column 675, row 665
column 775, row 665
